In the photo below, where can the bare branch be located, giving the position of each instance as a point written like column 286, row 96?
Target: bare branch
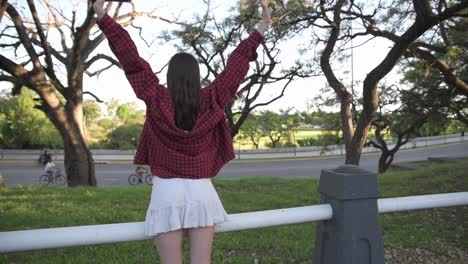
column 140, row 31
column 93, row 44
column 440, row 49
column 98, row 57
column 53, row 51
column 15, row 70
column 46, row 47
column 451, row 11
column 337, row 86
column 422, row 9
column 98, row 72
column 132, row 15
column 62, row 34
column 7, row 78
column 274, row 99
column 95, row 97
column 23, row 36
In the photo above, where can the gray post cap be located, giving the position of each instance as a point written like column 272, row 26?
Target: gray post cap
column 349, row 182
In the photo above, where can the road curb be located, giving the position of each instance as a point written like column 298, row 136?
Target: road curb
column 102, row 162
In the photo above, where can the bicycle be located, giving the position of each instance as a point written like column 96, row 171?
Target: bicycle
column 55, row 178
column 140, row 176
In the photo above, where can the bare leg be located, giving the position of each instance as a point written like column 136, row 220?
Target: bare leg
column 169, row 247
column 201, row 241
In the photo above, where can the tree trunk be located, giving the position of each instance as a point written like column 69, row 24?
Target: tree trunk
column 347, row 122
column 354, row 150
column 79, row 165
column 79, row 162
column 385, row 160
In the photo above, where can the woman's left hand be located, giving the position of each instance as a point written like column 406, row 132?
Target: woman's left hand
column 266, row 17
column 265, row 12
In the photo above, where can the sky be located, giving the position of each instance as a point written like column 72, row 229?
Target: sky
column 112, row 83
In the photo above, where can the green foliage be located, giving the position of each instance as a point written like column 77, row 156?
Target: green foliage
column 251, row 129
column 307, row 142
column 112, row 107
column 125, row 137
column 22, row 126
column 92, row 111
column 325, row 139
column 274, row 126
column 129, row 114
column 429, row 94
column 124, row 121
column 455, row 126
column 306, row 118
column 329, row 121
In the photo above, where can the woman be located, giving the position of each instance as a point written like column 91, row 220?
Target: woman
column 185, row 139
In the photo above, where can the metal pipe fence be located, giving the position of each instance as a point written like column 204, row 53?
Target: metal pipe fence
column 23, row 240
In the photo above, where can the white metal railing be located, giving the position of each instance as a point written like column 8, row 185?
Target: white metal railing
column 114, row 233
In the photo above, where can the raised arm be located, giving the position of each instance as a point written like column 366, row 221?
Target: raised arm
column 138, row 72
column 266, row 17
column 227, row 83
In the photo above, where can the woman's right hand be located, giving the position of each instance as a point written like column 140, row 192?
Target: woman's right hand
column 98, row 6
column 266, row 17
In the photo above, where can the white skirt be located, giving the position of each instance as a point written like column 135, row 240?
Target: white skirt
column 182, row 203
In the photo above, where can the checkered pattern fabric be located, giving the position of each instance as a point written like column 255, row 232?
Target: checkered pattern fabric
column 169, row 151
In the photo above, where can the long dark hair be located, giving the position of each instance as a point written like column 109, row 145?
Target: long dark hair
column 183, row 80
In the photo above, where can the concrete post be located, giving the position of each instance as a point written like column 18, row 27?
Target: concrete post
column 353, row 235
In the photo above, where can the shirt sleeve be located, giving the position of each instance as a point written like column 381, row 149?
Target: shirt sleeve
column 138, row 72
column 227, row 83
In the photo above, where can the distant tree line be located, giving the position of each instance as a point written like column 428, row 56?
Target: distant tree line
column 115, row 125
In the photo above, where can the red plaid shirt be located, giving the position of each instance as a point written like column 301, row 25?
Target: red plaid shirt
column 168, row 150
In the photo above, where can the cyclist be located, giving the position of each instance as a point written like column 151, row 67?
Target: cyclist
column 50, row 167
column 141, row 171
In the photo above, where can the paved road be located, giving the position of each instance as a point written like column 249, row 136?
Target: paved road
column 22, row 172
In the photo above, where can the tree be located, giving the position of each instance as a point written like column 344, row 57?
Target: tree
column 402, row 123
column 307, row 118
column 252, row 130
column 92, row 111
column 125, row 136
column 401, row 21
column 60, row 96
column 211, row 40
column 425, row 108
column 273, row 125
column 291, row 124
column 22, row 128
column 445, row 54
column 129, row 114
column 439, row 64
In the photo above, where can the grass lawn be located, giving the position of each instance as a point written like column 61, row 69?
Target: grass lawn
column 439, row 232
column 300, row 134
